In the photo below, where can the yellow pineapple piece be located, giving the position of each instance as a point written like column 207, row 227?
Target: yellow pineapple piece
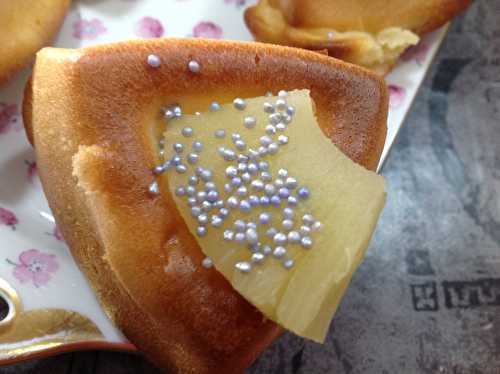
column 302, row 289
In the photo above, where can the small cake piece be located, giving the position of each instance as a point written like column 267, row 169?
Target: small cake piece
column 26, row 27
column 276, row 207
column 370, row 33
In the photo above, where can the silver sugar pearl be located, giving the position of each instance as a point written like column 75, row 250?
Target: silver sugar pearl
column 228, row 235
column 240, row 225
column 214, row 106
column 253, row 154
column 168, row 113
column 271, row 232
column 176, row 160
column 232, row 202
column 257, row 258
column 154, row 61
column 282, row 93
column 280, row 127
column 201, row 196
column 219, row 204
column 192, row 201
column 279, row 183
column 270, row 129
column 291, row 183
column 266, row 249
column 181, row 169
column 245, row 206
column 279, row 252
column 283, row 193
column 283, row 139
column 193, row 180
column 266, row 176
column 187, row 132
column 192, row 158
column 253, row 200
column 190, row 190
column 246, row 177
column 308, row 219
column 212, row 196
column 194, row 66
column 235, row 136
column 180, row 191
column 251, row 225
column 243, row 158
column 287, row 119
column 306, row 242
column 201, row 231
column 305, row 230
column 177, row 111
column 317, row 226
column 290, row 110
column 206, row 175
column 269, row 189
column 207, row 263
column 243, row 266
column 198, row 170
column 229, row 155
column 275, row 200
column 287, row 224
column 288, row 264
column 280, row 238
column 292, row 201
column 242, row 191
column 303, row 193
column 265, row 140
column 206, row 206
column 293, row 237
column 195, row 211
column 274, row 118
column 242, row 167
column 239, row 103
column 263, row 165
column 223, row 212
column 283, row 173
column 257, row 185
column 288, row 213
column 216, row 221
column 203, row 219
column 264, row 218
column 220, row 133
column 236, row 181
column 252, row 237
column 240, row 144
column 253, row 168
column 178, row 147
column 249, row 122
column 281, row 104
column 272, row 149
column 262, row 151
column 209, row 186
column 264, row 201
column 240, row 237
column 268, row 107
column 231, row 171
column 228, row 188
column 197, row 146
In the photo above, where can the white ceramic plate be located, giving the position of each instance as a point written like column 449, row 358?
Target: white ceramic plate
column 48, row 294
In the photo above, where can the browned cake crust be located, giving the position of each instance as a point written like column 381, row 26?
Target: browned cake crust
column 89, row 115
column 25, row 27
column 306, row 24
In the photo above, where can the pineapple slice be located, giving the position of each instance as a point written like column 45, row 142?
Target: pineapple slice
column 296, row 279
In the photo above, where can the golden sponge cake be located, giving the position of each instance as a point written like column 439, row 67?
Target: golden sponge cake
column 92, row 116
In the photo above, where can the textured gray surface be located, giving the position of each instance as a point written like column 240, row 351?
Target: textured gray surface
column 427, row 297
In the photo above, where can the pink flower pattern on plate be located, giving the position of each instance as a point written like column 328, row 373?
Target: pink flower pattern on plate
column 8, row 218
column 149, row 27
column 416, row 52
column 35, row 267
column 9, row 118
column 207, row 29
column 397, row 95
column 57, row 233
column 238, row 3
column 88, row 29
column 31, row 170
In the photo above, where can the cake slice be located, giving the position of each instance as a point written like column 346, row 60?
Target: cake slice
column 96, row 117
